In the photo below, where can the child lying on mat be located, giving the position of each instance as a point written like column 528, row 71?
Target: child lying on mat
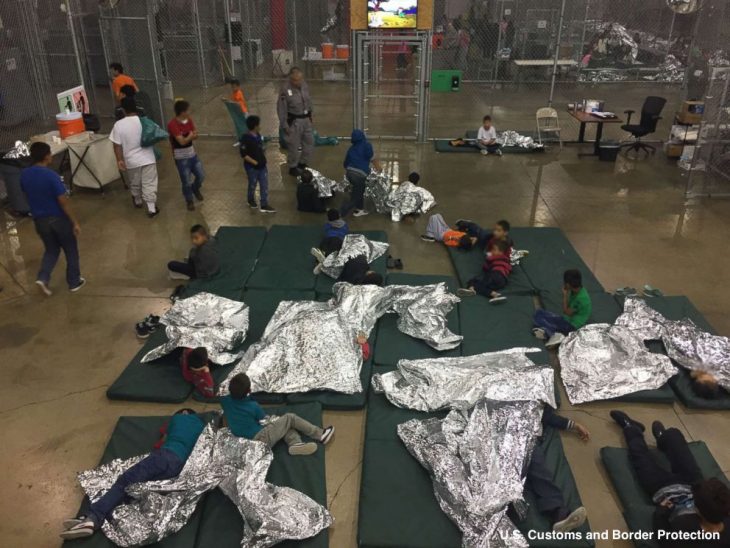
column 164, row 462
column 549, row 498
column 486, row 140
column 202, row 261
column 496, row 270
column 196, row 370
column 466, row 234
column 705, row 385
column 684, row 500
column 577, row 309
column 247, row 419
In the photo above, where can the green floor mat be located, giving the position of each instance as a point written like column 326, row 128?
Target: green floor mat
column 551, row 253
column 393, row 345
column 323, row 284
column 158, row 381
column 221, row 525
column 336, row 400
column 663, row 394
column 468, row 264
column 605, row 309
column 442, row 145
column 637, row 505
column 238, row 248
column 134, row 436
column 285, row 261
column 397, row 506
column 677, row 308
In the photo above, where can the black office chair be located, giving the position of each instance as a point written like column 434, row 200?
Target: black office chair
column 649, row 117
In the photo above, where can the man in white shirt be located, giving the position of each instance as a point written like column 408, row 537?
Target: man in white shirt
column 487, row 138
column 136, row 161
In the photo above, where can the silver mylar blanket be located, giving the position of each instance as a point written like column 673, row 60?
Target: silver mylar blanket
column 476, row 461
column 378, row 187
column 238, row 466
column 324, row 185
column 511, row 138
column 216, row 323
column 602, row 361
column 19, row 150
column 458, row 383
column 352, row 246
column 686, row 344
column 408, row 199
column 310, row 345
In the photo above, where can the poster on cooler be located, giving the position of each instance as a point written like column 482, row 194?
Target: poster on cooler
column 74, row 99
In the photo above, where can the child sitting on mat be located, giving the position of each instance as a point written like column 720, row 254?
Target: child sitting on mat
column 335, row 230
column 202, row 261
column 308, row 199
column 486, row 140
column 196, row 370
column 496, row 270
column 164, row 462
column 438, row 231
column 244, row 417
column 577, row 309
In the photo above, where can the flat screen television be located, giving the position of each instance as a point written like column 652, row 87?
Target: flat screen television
column 392, row 14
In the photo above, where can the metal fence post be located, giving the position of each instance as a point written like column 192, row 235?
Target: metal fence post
column 557, row 53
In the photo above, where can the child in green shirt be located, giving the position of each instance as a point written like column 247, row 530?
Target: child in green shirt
column 576, row 311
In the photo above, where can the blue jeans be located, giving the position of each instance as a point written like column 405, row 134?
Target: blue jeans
column 357, row 180
column 57, row 233
column 190, row 166
column 260, row 177
column 552, row 323
column 159, row 465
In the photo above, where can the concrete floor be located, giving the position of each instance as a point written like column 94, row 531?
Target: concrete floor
column 629, row 221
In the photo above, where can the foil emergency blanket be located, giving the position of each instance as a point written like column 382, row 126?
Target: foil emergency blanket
column 618, row 38
column 352, row 246
column 325, row 186
column 686, row 344
column 215, row 323
column 458, row 383
column 670, row 70
column 19, row 150
column 238, row 466
column 409, row 199
column 602, row 361
column 378, row 187
column 310, row 345
column 602, row 75
column 476, row 462
column 510, row 138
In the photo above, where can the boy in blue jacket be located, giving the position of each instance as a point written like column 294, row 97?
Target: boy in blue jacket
column 244, row 416
column 357, row 168
column 335, row 230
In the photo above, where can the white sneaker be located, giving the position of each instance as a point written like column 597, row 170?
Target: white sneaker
column 360, row 213
column 465, row 292
column 44, row 288
column 484, row 152
column 499, row 299
column 317, row 269
column 82, row 529
column 82, row 283
column 303, row 448
column 576, row 518
column 555, row 340
column 327, row 435
column 539, row 333
column 499, row 152
column 176, row 276
column 318, row 254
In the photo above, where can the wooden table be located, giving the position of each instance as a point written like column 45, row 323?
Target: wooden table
column 310, row 64
column 588, row 118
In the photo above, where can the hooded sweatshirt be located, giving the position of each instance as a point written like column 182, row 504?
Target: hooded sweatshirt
column 360, row 152
column 336, row 229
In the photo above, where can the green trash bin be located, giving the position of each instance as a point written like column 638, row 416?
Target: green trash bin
column 445, row 80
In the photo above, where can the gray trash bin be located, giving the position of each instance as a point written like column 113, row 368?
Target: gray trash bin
column 10, row 170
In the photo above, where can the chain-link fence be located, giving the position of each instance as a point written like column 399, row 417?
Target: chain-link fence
column 516, row 56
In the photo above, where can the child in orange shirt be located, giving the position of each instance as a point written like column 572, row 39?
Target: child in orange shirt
column 237, row 95
column 120, row 80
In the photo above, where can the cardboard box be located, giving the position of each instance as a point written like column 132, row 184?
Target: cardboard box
column 691, row 112
column 673, row 150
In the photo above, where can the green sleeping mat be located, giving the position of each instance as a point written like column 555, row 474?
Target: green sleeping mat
column 221, row 525
column 677, row 308
column 323, row 284
column 238, row 248
column 638, row 508
column 442, row 145
column 262, row 303
column 336, row 400
column 392, row 345
column 157, row 381
column 468, row 264
column 397, row 506
column 551, row 253
column 134, row 436
column 285, row 261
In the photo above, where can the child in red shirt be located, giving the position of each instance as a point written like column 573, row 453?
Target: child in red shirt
column 362, row 340
column 496, row 270
column 196, row 370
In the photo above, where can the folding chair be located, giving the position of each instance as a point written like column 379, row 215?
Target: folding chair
column 547, row 122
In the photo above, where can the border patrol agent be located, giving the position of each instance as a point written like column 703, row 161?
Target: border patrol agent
column 295, row 118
